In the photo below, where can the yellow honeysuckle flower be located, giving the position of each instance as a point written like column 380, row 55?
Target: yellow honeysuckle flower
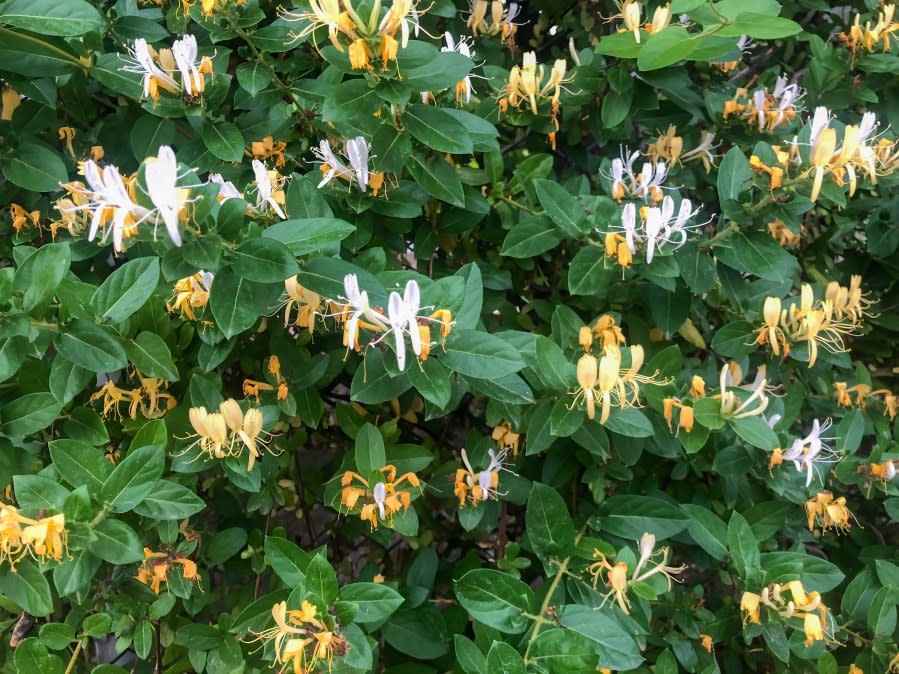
column 43, row 538
column 380, row 501
column 9, row 101
column 506, row 439
column 154, row 570
column 21, row 217
column 750, row 602
column 228, row 432
column 190, row 293
column 474, row 486
column 829, row 512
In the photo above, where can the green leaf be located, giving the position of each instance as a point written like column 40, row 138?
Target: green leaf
column 373, row 383
column 437, row 129
column 86, row 425
column 321, row 579
column 237, row 303
column 254, row 77
column 559, row 651
column 530, row 238
column 420, row 633
column 224, row 141
column 225, row 544
column 756, row 432
column 669, row 309
column 816, row 572
column 40, row 275
column 620, row 45
column 549, row 526
column 126, row 289
column 170, row 501
column 757, row 254
column 511, row 389
column 34, row 55
column 134, row 478
column 67, row 379
column 552, row 365
column 36, row 493
column 469, row 657
column 29, row 414
column 630, row 516
column 440, row 72
column 117, row 543
column 374, row 601
column 13, row 352
column 437, row 177
column 432, row 381
column 309, row 235
column 264, row 260
column 734, row 175
column 735, row 339
column 662, row 49
column 80, row 464
column 32, row 656
column 35, row 167
column 617, row 649
column 91, row 347
column 562, row 207
column 480, row 355
column 629, row 422
column 370, row 455
column 587, row 273
column 502, row 657
column 75, row 574
column 150, row 354
column 776, row 639
column 67, row 18
column 743, row 547
column 496, row 599
column 143, row 639
column 882, row 614
column 707, row 530
column 107, row 70
column 758, row 26
column 287, row 559
column 27, row 587
column 57, row 636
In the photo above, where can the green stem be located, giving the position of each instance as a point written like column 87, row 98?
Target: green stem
column 732, row 228
column 540, row 619
column 71, row 666
column 520, row 206
column 99, row 518
column 43, row 325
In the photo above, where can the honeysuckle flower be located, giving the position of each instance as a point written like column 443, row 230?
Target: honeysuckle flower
column 328, row 14
column 476, row 486
column 191, row 292
column 143, row 63
column 227, row 432
column 661, row 19
column 463, row 87
column 190, row 65
column 306, row 303
column 731, row 405
column 267, row 148
column 750, row 603
column 21, row 217
column 685, row 416
column 358, row 306
column 9, row 101
column 869, row 37
column 848, row 302
column 646, row 185
column 658, row 228
column 607, row 332
column 502, row 19
column 155, row 568
column 618, row 578
column 402, row 17
column 784, row 235
column 703, row 151
column 667, row 147
column 227, row 190
column 269, row 188
column 43, row 538
column 771, row 333
column 526, row 84
column 506, row 439
column 763, row 109
column 356, row 153
column 381, row 500
column 111, row 203
column 809, row 452
column 301, row 639
column 161, row 176
column 828, row 512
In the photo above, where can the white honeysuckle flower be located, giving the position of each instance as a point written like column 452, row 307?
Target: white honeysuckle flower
column 820, row 121
column 809, row 452
column 108, row 194
column 227, row 190
column 787, row 96
column 379, row 493
column 866, row 126
column 357, row 154
column 161, row 176
column 336, row 168
column 143, row 64
column 463, row 47
column 402, row 317
column 359, row 307
column 265, row 189
column 629, row 224
column 184, row 52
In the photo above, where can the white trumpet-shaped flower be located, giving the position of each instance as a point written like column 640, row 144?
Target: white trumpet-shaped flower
column 265, row 189
column 809, row 452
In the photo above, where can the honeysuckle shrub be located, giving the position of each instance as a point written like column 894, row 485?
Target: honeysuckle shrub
column 426, row 337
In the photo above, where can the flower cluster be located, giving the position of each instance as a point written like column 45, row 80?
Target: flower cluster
column 267, row 148
column 862, row 393
column 500, row 22
column 402, row 320
column 112, row 200
column 763, row 109
column 154, row 570
column 646, row 185
column 803, row 605
column 659, row 227
column 506, row 439
column 349, row 32
column 605, row 382
column 228, row 432
column 21, row 218
column 629, row 13
column 871, row 37
column 269, row 188
column 669, row 147
column 355, row 151
column 379, row 501
column 158, row 68
column 43, row 538
column 828, row 512
column 302, row 639
column 254, row 388
column 822, row 323
column 809, row 452
column 476, row 486
column 755, row 393
column 620, row 577
column 151, row 398
column 526, row 84
column 191, row 293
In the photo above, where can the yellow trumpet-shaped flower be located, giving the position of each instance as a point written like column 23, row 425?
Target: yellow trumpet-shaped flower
column 228, row 432
column 379, row 501
column 43, row 538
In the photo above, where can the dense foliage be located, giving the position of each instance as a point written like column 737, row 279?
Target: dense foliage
column 380, row 336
